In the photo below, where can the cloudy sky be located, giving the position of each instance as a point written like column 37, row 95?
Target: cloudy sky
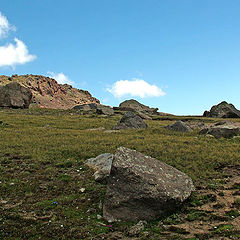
column 180, row 56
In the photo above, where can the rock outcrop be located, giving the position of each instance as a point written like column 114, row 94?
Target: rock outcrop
column 143, row 188
column 95, row 108
column 223, row 110
column 130, row 120
column 179, row 126
column 13, row 95
column 47, row 93
column 225, row 131
column 135, row 106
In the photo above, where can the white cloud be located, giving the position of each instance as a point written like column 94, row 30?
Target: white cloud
column 136, row 88
column 11, row 55
column 61, row 78
column 5, row 26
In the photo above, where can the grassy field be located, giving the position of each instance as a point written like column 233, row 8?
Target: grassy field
column 46, row 191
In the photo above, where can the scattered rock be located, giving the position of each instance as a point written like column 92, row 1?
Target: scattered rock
column 101, row 165
column 97, row 108
column 91, row 211
column 223, row 110
column 130, row 120
column 179, row 126
column 225, row 131
column 111, row 131
column 136, row 229
column 143, row 188
column 13, row 95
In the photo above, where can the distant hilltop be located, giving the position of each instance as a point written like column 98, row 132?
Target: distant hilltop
column 47, row 93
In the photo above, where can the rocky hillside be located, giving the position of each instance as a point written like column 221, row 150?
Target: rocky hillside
column 47, row 93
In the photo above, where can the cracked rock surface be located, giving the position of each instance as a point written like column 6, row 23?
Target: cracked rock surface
column 143, row 188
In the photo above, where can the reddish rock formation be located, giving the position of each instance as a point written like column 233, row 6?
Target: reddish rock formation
column 47, row 93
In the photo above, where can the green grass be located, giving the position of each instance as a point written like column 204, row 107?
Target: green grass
column 42, row 155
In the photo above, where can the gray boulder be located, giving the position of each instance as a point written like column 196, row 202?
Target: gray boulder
column 86, row 107
column 179, row 126
column 225, row 131
column 143, row 188
column 223, row 110
column 101, row 165
column 103, row 109
column 135, row 106
column 130, row 120
column 93, row 107
column 14, row 95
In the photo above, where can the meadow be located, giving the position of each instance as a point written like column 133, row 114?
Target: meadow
column 46, row 191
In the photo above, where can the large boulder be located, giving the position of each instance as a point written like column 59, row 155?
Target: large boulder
column 223, row 110
column 143, row 188
column 179, row 126
column 225, row 131
column 130, row 120
column 135, row 106
column 13, row 95
column 93, row 107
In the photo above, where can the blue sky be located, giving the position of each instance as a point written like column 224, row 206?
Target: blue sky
column 180, row 56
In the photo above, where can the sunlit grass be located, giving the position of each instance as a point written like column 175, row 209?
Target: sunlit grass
column 42, row 155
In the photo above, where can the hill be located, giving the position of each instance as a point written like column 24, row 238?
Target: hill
column 47, row 93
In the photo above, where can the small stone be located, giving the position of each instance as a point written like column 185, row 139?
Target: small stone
column 136, row 229
column 100, row 205
column 99, row 217
column 225, row 131
column 82, row 190
column 91, row 210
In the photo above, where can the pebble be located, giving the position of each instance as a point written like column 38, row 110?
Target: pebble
column 82, row 190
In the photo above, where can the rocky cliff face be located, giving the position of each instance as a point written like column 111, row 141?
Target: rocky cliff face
column 47, row 93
